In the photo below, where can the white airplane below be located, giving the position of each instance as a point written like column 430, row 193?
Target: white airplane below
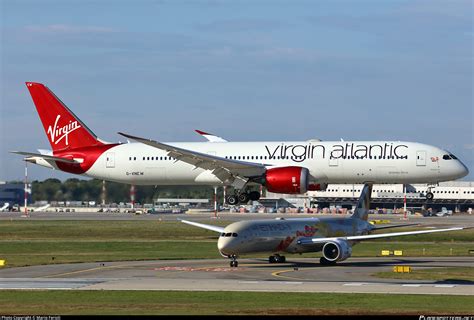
column 282, row 167
column 333, row 236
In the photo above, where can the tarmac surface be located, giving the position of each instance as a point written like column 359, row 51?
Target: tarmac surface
column 297, row 275
column 464, row 219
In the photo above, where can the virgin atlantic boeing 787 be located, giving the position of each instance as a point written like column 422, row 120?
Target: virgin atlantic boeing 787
column 281, row 166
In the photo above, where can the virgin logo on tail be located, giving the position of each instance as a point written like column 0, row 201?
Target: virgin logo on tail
column 56, row 133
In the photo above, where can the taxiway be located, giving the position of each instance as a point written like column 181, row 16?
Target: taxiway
column 298, row 275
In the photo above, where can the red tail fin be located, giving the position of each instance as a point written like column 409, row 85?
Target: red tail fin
column 63, row 128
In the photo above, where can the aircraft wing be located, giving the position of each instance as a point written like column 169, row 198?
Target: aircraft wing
column 204, row 226
column 308, row 241
column 210, row 137
column 233, row 171
column 45, row 157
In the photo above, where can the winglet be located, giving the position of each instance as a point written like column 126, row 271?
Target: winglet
column 210, row 137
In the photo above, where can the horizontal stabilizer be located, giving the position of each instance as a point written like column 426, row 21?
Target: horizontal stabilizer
column 396, row 226
column 45, row 157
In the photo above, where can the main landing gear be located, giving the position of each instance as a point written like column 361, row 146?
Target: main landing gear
column 242, row 197
column 233, row 262
column 276, row 258
column 325, row 262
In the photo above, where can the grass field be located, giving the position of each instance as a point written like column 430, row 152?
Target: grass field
column 48, row 241
column 230, row 303
column 439, row 274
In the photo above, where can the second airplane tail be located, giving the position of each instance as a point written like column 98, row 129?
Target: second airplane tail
column 63, row 129
column 363, row 205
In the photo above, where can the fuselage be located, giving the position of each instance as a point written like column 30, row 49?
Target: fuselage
column 282, row 235
column 327, row 161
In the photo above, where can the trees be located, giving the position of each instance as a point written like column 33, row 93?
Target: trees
column 91, row 190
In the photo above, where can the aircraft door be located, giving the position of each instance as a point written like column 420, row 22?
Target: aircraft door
column 421, row 158
column 110, row 160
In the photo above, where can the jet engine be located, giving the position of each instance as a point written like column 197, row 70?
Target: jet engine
column 337, row 250
column 287, row 180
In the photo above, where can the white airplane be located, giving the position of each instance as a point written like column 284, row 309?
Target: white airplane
column 282, row 167
column 41, row 209
column 5, row 207
column 333, row 236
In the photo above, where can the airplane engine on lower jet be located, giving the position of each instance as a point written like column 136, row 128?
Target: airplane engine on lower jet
column 337, row 250
column 287, row 180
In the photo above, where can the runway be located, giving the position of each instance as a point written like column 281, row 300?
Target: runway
column 298, row 275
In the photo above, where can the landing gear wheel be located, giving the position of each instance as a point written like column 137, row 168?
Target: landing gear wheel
column 243, row 197
column 429, row 196
column 232, row 200
column 233, row 262
column 254, row 195
column 325, row 262
column 277, row 259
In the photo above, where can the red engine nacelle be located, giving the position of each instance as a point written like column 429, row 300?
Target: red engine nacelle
column 287, row 180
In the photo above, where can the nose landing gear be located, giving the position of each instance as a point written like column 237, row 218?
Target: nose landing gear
column 233, row 262
column 429, row 195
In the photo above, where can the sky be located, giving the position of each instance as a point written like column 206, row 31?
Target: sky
column 244, row 70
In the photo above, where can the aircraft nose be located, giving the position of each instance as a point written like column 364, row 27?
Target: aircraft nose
column 226, row 245
column 223, row 245
column 462, row 169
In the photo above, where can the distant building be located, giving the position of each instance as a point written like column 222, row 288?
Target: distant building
column 13, row 193
column 456, row 195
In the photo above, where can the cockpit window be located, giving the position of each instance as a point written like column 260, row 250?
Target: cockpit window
column 227, row 235
column 453, row 156
column 446, row 157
